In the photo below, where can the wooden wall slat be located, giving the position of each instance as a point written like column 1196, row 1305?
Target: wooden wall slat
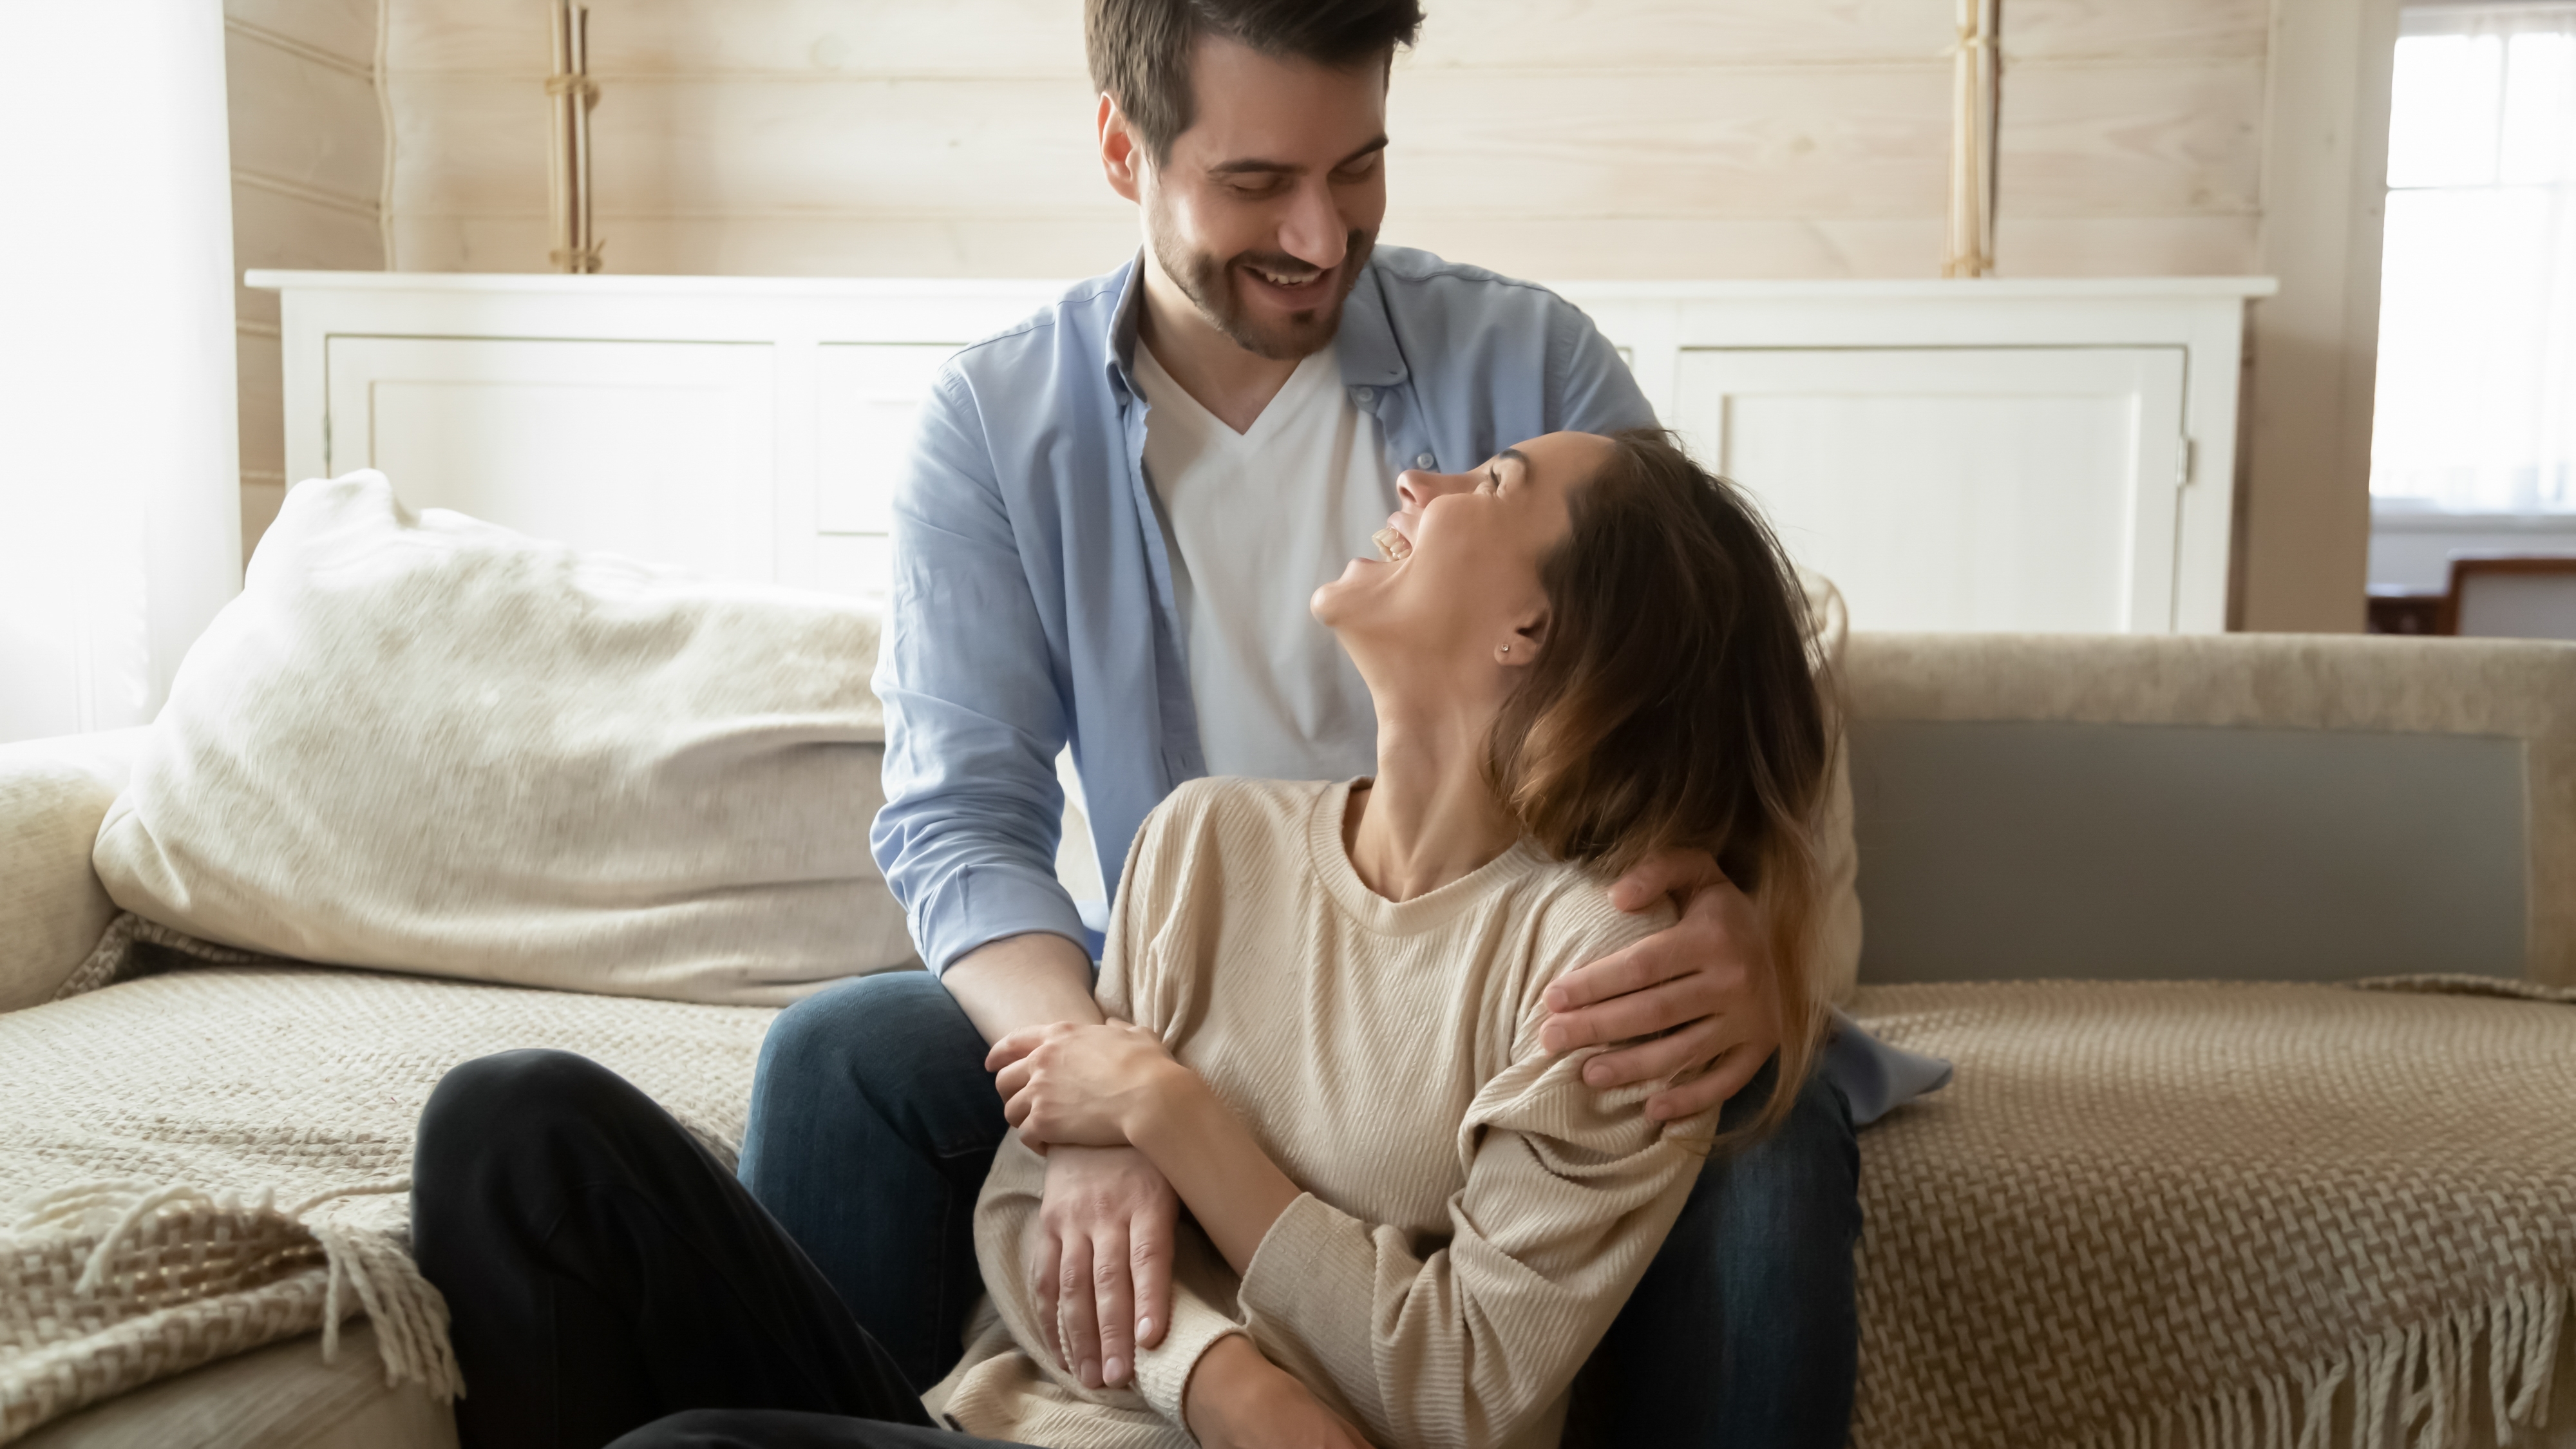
column 1551, row 249
column 1044, row 37
column 1649, row 138
column 309, row 124
column 345, row 28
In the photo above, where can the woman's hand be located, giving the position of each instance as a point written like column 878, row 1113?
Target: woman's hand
column 1237, row 1399
column 1083, row 1086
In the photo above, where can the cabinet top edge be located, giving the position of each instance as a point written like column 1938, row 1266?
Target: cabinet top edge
column 1878, row 288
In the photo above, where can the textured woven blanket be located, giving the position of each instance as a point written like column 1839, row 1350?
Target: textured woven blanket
column 210, row 1160
column 2143, row 1215
column 2235, row 1214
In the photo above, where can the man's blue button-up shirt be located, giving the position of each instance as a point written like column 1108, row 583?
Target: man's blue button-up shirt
column 1032, row 590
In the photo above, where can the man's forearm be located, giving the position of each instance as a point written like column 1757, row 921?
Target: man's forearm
column 1021, row 981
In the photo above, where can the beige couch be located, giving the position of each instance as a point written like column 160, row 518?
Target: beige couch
column 2068, row 821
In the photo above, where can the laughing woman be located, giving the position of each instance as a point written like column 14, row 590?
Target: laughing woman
column 1412, row 1223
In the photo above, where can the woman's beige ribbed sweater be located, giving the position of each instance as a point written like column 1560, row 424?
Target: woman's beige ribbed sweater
column 1474, row 1215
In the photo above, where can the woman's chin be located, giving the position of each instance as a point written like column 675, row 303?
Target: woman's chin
column 1341, row 599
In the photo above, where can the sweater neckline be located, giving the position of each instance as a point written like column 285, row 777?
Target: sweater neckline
column 1332, row 866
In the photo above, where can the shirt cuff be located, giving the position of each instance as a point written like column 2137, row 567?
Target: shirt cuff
column 1315, row 1274
column 1163, row 1371
column 987, row 903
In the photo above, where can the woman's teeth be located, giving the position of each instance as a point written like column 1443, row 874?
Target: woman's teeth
column 1393, row 545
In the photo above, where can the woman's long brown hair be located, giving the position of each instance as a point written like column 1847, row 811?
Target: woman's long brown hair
column 1673, row 704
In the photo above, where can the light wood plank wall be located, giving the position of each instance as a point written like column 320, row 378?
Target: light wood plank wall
column 1558, row 139
column 308, row 164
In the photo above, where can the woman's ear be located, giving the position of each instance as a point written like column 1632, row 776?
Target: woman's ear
column 1525, row 642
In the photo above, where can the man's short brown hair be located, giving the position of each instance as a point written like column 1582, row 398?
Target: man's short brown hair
column 1140, row 49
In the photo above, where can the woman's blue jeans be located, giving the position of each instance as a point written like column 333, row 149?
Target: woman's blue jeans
column 873, row 1121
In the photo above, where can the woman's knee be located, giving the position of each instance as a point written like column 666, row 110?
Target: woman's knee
column 493, row 1104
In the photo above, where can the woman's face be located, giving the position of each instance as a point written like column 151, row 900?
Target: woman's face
column 1459, row 579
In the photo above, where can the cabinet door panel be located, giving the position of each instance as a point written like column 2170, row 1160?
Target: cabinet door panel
column 868, row 395
column 1953, row 488
column 656, row 450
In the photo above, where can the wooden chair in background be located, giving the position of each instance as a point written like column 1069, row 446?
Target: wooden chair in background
column 2496, row 596
column 2511, row 597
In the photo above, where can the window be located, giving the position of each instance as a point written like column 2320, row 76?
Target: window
column 2476, row 407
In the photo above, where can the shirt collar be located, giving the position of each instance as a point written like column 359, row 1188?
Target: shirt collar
column 1365, row 345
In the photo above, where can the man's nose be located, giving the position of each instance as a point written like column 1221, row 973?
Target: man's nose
column 1312, row 231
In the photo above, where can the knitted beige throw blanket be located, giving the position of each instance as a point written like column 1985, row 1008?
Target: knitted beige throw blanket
column 2242, row 1215
column 2233, row 1216
column 199, row 1163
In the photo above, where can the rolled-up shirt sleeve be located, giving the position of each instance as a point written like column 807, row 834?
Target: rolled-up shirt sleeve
column 974, row 707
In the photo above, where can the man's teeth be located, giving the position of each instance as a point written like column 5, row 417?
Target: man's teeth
column 1276, row 280
column 1392, row 544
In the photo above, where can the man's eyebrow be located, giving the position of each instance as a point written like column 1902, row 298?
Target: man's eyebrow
column 1255, row 165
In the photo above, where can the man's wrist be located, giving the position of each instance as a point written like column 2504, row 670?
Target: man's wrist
column 1034, row 979
column 1173, row 1098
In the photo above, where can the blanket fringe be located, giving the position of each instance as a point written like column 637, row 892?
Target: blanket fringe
column 2411, row 1388
column 409, row 1313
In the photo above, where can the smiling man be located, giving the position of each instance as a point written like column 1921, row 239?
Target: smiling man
column 1112, row 520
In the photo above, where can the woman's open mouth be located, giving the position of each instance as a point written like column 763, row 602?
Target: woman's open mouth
column 1391, row 545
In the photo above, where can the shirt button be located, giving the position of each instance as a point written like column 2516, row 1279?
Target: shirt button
column 1363, row 394
column 1422, row 461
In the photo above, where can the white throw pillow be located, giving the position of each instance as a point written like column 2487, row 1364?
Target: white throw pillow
column 425, row 743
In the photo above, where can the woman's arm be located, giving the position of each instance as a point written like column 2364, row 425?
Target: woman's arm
column 1114, row 1085
column 1570, row 1191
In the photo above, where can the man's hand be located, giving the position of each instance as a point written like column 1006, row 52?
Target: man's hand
column 1700, row 992
column 1102, row 1262
column 1237, row 1399
column 1084, row 1086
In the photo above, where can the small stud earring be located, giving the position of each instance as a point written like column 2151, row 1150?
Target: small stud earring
column 1507, row 649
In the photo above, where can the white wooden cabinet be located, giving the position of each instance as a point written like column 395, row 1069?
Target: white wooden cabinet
column 1957, row 455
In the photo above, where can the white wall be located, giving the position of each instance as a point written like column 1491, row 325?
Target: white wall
column 117, row 406
column 1553, row 138
column 307, row 170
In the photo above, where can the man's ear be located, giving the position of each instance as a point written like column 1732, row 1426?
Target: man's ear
column 1121, row 158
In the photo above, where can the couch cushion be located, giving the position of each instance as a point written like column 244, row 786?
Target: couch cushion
column 2005, row 849
column 424, row 743
column 284, row 1396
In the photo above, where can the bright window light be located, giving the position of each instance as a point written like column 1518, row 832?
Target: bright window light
column 2476, row 407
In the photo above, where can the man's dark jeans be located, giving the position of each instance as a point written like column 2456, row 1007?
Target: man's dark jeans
column 873, row 1121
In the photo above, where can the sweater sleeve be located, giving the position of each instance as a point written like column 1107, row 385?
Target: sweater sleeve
column 1006, row 1213
column 1569, row 1193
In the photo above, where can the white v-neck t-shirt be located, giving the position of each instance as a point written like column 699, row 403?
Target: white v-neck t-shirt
column 1254, row 521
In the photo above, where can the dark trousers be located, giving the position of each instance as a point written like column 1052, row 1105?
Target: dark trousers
column 873, row 1121
column 604, row 1273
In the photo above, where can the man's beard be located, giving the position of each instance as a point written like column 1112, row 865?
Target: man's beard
column 1210, row 283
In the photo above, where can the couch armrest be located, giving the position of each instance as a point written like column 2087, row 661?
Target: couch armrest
column 53, row 794
column 2246, row 805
